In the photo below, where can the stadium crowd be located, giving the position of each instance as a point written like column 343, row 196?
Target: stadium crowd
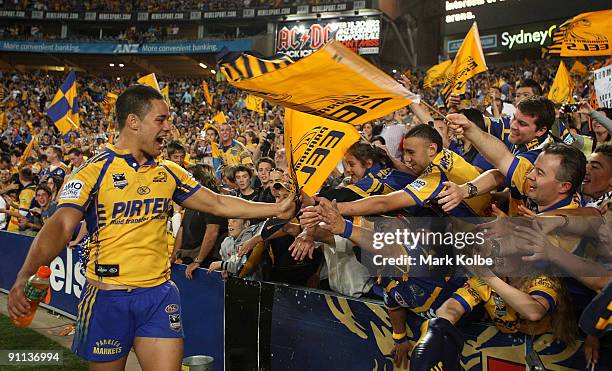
column 150, row 6
column 447, row 167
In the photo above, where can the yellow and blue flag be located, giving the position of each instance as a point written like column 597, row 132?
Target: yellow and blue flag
column 216, row 157
column 333, row 82
column 64, row 108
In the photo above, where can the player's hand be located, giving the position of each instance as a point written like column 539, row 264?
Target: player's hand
column 18, row 305
column 190, row 268
column 401, row 355
column 460, row 125
column 286, row 208
column 302, row 246
column 451, row 196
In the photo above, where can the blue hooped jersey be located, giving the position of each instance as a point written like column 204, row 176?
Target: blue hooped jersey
column 126, row 207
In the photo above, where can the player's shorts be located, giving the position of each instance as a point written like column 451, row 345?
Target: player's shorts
column 109, row 320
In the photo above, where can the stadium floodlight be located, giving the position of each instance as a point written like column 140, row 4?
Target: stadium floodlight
column 121, row 65
column 111, row 65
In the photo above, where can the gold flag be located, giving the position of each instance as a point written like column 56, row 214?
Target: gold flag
column 166, row 93
column 254, row 103
column 579, row 69
column 206, row 93
column 219, row 118
column 2, row 120
column 150, row 80
column 109, row 102
column 437, row 75
column 333, row 82
column 468, row 62
column 587, row 34
column 315, row 145
column 563, row 86
column 27, row 152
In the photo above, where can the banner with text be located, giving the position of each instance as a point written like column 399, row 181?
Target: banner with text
column 299, row 39
column 193, row 47
column 603, row 86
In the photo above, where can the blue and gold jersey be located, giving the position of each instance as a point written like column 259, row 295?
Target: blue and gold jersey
column 126, row 207
column 507, row 319
column 26, row 196
column 448, row 166
column 517, row 179
column 500, row 129
column 60, row 170
column 235, row 154
column 380, row 181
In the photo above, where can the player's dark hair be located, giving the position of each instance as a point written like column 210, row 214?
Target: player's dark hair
column 135, row 100
column 428, row 133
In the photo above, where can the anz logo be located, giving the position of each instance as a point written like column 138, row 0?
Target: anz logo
column 126, row 49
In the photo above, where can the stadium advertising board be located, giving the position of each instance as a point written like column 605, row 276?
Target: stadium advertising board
column 194, row 47
column 299, row 39
column 189, row 15
column 531, row 36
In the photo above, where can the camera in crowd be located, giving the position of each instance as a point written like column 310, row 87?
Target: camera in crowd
column 570, row 108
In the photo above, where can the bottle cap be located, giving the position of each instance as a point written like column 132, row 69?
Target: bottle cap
column 43, row 272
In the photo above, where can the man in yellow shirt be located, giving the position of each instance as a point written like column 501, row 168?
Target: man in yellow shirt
column 233, row 152
column 124, row 194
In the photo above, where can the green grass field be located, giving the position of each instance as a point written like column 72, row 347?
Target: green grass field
column 14, row 338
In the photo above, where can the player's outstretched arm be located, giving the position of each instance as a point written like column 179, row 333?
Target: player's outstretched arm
column 52, row 238
column 233, row 207
column 377, row 204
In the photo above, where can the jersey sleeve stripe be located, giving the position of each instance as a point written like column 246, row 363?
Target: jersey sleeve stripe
column 466, row 306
